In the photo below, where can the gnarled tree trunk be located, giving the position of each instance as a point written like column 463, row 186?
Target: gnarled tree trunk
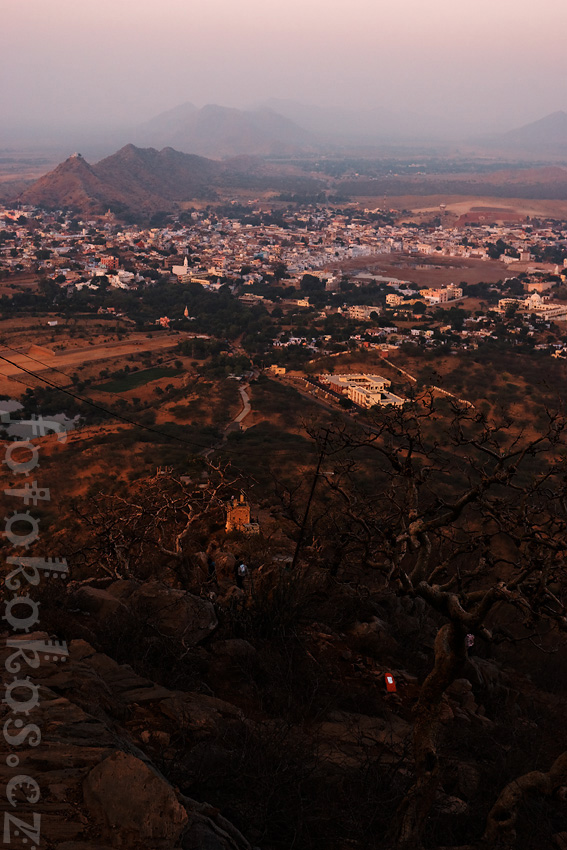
column 501, row 822
column 413, row 812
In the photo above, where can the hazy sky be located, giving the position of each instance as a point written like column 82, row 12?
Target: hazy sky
column 103, row 62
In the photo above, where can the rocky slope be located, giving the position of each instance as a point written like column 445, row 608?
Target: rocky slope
column 98, row 786
column 181, row 721
column 141, row 181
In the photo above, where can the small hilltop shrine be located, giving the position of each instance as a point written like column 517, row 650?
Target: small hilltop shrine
column 238, row 516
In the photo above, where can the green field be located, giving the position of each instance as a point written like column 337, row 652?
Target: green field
column 138, row 379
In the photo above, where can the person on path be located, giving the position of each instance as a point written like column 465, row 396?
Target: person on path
column 241, row 573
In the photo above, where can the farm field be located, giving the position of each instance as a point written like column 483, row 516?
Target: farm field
column 429, row 271
column 137, row 379
column 48, row 361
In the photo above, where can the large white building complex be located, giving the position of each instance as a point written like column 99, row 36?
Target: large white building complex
column 364, row 390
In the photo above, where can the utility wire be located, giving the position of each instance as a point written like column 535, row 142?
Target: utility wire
column 48, row 365
column 106, row 411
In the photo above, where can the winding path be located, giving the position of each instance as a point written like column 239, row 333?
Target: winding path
column 246, row 404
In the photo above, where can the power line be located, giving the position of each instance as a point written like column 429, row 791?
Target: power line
column 105, row 410
column 49, row 365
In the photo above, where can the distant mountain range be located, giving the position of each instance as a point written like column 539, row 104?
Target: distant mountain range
column 279, row 128
column 141, row 181
column 288, row 128
column 548, row 132
column 218, row 132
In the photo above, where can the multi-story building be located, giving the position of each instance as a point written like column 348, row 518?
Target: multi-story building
column 363, row 390
column 110, row 262
column 362, row 313
column 441, row 296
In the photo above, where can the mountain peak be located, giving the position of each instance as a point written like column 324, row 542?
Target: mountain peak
column 76, row 159
column 223, row 131
column 546, row 131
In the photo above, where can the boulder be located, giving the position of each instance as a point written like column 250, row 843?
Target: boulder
column 123, row 588
column 225, row 569
column 200, row 571
column 236, row 648
column 99, row 602
column 174, row 613
column 468, row 779
column 132, row 803
column 373, row 638
column 448, row 805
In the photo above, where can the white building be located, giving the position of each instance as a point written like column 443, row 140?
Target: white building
column 443, row 295
column 364, row 390
column 180, row 271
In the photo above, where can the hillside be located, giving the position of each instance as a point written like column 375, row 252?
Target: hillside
column 550, row 131
column 546, row 137
column 180, row 680
column 144, row 180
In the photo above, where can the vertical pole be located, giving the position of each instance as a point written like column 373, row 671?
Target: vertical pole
column 310, row 499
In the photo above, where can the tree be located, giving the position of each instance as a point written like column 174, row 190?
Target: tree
column 48, row 288
column 311, row 283
column 279, row 271
column 158, row 524
column 471, row 518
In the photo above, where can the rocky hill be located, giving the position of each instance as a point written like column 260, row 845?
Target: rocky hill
column 75, row 181
column 141, row 181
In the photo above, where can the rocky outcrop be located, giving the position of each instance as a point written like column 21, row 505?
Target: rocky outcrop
column 99, row 724
column 127, row 798
column 168, row 611
column 225, row 568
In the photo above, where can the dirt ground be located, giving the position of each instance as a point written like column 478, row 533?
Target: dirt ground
column 13, row 380
column 429, row 271
column 19, row 283
column 457, row 205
